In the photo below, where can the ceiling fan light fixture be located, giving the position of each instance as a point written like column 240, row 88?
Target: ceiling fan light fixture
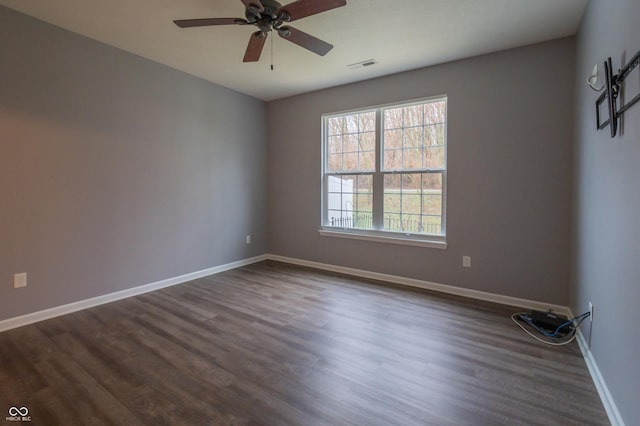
column 284, row 32
column 284, row 16
column 252, row 14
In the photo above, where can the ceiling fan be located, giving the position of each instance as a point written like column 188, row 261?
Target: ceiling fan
column 269, row 15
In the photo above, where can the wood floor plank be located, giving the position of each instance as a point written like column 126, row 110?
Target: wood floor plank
column 271, row 344
column 79, row 396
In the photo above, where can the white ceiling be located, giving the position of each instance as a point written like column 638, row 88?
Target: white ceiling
column 399, row 34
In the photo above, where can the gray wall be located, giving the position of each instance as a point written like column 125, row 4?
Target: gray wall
column 510, row 154
column 115, row 171
column 607, row 207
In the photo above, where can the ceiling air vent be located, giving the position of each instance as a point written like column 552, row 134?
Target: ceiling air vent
column 363, row 64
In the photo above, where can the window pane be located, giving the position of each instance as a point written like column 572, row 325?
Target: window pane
column 431, row 224
column 368, row 141
column 412, row 159
column 413, row 115
column 350, row 201
column 434, row 157
column 435, row 112
column 413, row 137
column 352, row 123
column 337, row 125
column 367, row 121
column 393, row 181
column 364, row 203
column 364, row 184
column 422, row 131
column 431, row 204
column 334, row 162
column 392, row 193
column 434, row 134
column 411, row 223
column 335, row 144
column 334, row 214
column 432, row 183
column 393, row 139
column 413, row 202
column 392, row 202
column 393, row 118
column 368, row 160
column 393, row 159
column 393, row 222
column 411, row 182
column 350, row 162
column 351, row 143
column 350, row 138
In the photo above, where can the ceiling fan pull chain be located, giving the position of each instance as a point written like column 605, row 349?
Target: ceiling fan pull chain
column 272, row 37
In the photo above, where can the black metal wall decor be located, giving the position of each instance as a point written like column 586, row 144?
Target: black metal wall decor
column 611, row 94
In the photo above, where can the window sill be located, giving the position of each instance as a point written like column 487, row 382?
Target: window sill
column 409, row 240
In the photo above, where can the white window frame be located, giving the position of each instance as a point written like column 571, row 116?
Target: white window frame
column 378, row 234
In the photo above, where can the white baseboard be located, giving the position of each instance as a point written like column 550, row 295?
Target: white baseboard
column 601, row 386
column 20, row 321
column 427, row 285
column 111, row 297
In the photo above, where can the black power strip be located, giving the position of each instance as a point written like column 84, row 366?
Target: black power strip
column 550, row 322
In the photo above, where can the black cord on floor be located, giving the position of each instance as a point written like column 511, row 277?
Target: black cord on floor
column 555, row 338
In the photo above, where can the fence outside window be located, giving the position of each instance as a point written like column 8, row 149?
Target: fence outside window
column 365, row 221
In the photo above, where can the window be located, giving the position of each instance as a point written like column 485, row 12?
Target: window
column 385, row 172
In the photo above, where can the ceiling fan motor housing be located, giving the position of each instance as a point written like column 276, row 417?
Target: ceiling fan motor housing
column 268, row 19
column 270, row 7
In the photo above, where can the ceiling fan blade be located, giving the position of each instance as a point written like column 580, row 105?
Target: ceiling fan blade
column 305, row 40
column 302, row 8
column 256, row 3
column 205, row 22
column 254, row 48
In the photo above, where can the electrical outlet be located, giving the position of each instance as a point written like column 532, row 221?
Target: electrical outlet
column 20, row 280
column 466, row 261
column 248, row 239
column 590, row 312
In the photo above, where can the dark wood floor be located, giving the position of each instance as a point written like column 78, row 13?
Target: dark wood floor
column 275, row 344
